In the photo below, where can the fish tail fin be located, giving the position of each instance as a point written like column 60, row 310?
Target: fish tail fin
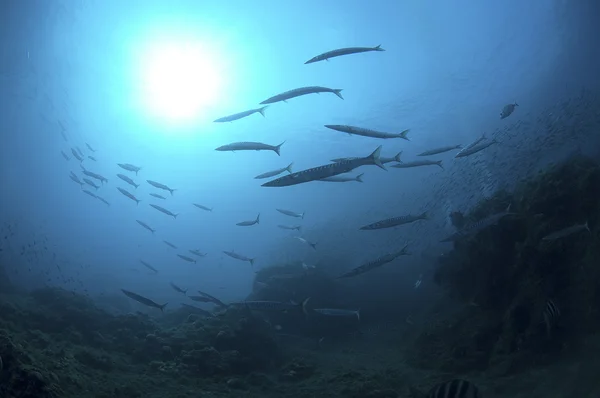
column 289, row 168
column 586, row 225
column 375, row 157
column 152, row 230
column 172, row 190
column 358, row 314
column 137, row 201
column 459, row 146
column 303, row 305
column 359, row 177
column 262, row 110
column 252, row 262
column 258, row 218
column 299, row 228
column 404, row 134
column 405, row 251
column 424, row 216
column 378, row 48
column 162, row 307
column 508, row 208
column 397, row 157
column 439, row 163
column 338, row 92
column 136, row 186
column 175, row 215
column 302, row 215
column 277, row 148
column 314, row 245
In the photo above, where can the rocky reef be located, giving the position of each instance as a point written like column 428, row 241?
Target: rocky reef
column 55, row 343
column 506, row 274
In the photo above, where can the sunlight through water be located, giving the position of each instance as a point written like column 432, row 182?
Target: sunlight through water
column 180, row 80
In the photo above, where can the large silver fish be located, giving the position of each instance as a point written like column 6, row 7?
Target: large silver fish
column 375, row 263
column 128, row 180
column 129, row 167
column 129, row 195
column 238, row 256
column 342, row 51
column 291, row 213
column 240, row 115
column 272, row 305
column 143, row 224
column 160, row 186
column 143, row 300
column 273, row 173
column 418, row 163
column 344, row 178
column 250, row 222
column 328, row 170
column 353, row 130
column 474, row 149
column 395, row 221
column 250, row 146
column 202, row 207
column 297, row 92
column 475, row 227
column 164, row 211
column 439, row 150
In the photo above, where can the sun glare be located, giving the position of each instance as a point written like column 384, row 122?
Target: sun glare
column 180, row 80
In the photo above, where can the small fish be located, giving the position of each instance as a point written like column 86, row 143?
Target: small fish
column 311, row 244
column 291, row 213
column 128, row 180
column 200, row 299
column 250, row 146
column 151, row 268
column 275, row 172
column 129, row 195
column 371, row 265
column 143, row 300
column 475, row 227
column 328, row 170
column 76, row 155
column 160, row 186
column 79, row 151
column 456, row 388
column 272, row 305
column 237, row 116
column 213, row 299
column 203, row 207
column 197, row 252
column 90, row 183
column 249, row 223
column 103, row 200
column 158, row 196
column 395, row 221
column 290, row 227
column 92, row 158
column 440, row 150
column 93, row 175
column 567, row 231
column 508, row 110
column 353, row 130
column 76, row 179
column 186, row 258
column 297, row 92
column 169, row 244
column 382, row 159
column 417, row 163
column 474, row 149
column 419, row 281
column 164, row 211
column 338, row 312
column 143, row 224
column 129, row 167
column 89, row 147
column 551, row 314
column 93, row 195
column 342, row 51
column 343, row 178
column 178, row 289
column 240, row 257
column 64, row 155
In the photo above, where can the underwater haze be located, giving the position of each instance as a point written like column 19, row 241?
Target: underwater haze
column 394, row 135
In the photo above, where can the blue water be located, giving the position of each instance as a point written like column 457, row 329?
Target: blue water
column 448, row 69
